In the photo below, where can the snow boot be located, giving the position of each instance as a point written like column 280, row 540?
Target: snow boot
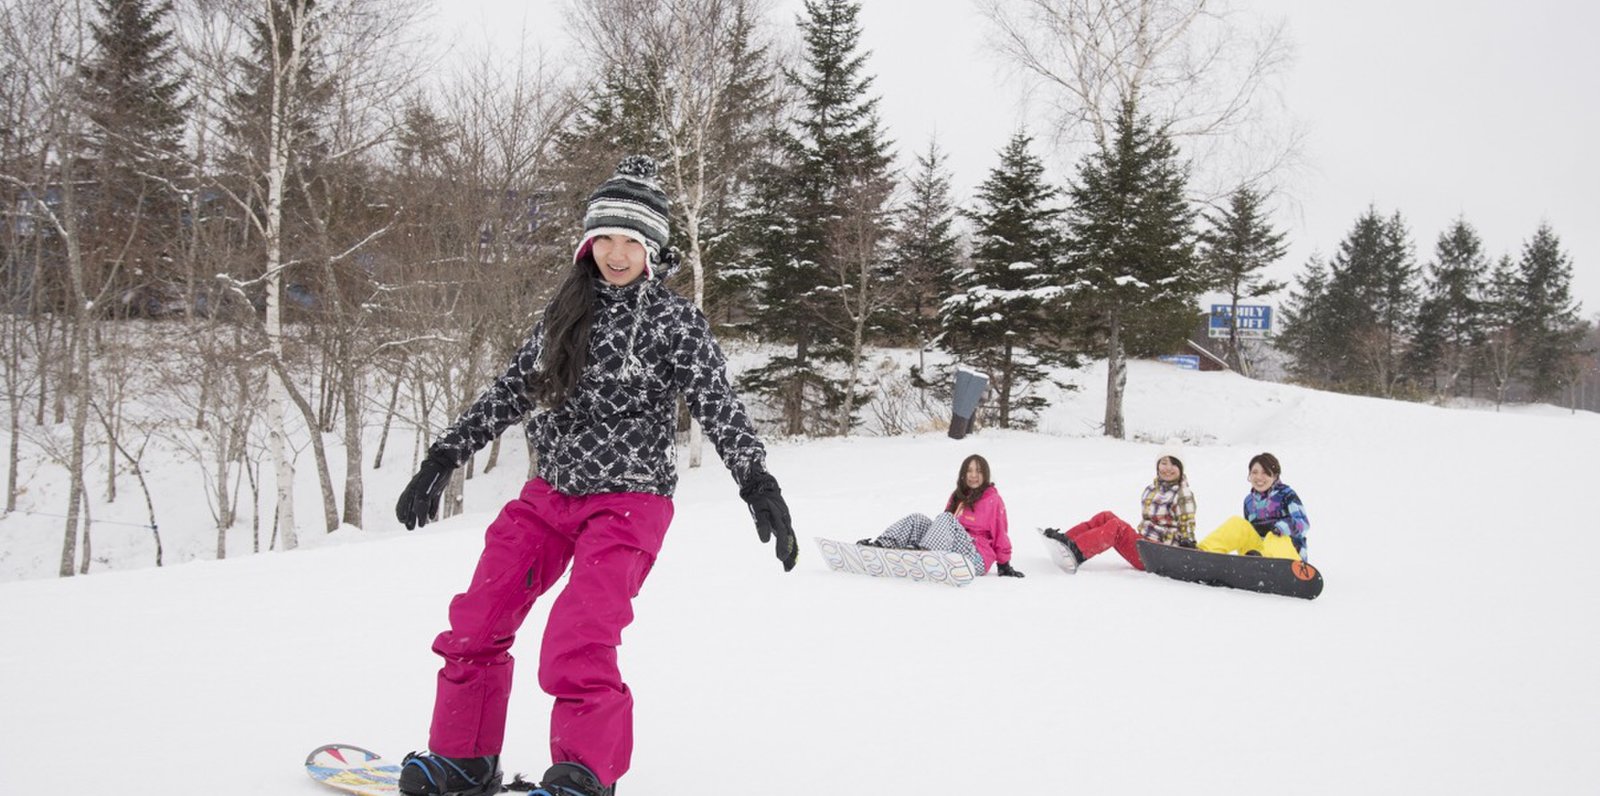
column 882, row 545
column 1073, row 557
column 428, row 774
column 572, row 779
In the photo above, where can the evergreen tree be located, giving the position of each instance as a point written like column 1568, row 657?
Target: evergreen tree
column 1238, row 245
column 248, row 127
column 998, row 316
column 1372, row 297
column 133, row 90
column 1132, row 242
column 1550, row 319
column 927, row 253
column 835, row 155
column 1503, row 314
column 739, row 148
column 616, row 123
column 1448, row 329
column 1307, row 334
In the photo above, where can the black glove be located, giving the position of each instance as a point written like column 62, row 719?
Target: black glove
column 419, row 501
column 1005, row 570
column 771, row 514
column 1264, row 526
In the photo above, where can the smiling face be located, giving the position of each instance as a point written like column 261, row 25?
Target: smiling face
column 973, row 476
column 1260, row 479
column 1167, row 469
column 621, row 259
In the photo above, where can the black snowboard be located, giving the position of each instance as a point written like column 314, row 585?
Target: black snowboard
column 1288, row 577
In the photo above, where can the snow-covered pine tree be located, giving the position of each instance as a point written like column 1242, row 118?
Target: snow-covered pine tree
column 927, row 249
column 1237, row 245
column 1000, row 319
column 835, row 148
column 1132, row 240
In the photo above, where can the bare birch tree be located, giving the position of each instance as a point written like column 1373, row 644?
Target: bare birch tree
column 1199, row 68
column 353, row 44
column 50, row 42
column 708, row 78
column 476, row 259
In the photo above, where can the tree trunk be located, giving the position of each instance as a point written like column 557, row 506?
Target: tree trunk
column 794, row 409
column 697, row 270
column 388, row 421
column 79, row 360
column 1006, row 376
column 1233, row 336
column 13, row 408
column 1116, row 379
column 277, row 388
column 319, row 454
column 354, row 488
column 285, row 75
column 857, row 344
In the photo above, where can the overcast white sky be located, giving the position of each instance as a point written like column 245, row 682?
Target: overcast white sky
column 1434, row 108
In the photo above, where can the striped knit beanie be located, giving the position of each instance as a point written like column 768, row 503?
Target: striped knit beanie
column 631, row 203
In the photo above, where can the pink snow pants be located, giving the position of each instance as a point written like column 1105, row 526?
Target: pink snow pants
column 612, row 541
column 1103, row 531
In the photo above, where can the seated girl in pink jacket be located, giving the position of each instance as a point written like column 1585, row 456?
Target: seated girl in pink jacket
column 973, row 523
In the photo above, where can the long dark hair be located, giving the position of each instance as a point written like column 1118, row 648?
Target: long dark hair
column 965, row 495
column 567, row 320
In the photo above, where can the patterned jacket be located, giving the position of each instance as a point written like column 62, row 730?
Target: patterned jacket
column 615, row 433
column 1281, row 506
column 1168, row 511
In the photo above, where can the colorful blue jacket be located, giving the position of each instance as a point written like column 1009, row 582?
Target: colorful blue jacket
column 1281, row 506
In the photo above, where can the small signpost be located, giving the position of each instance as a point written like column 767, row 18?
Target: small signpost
column 964, row 399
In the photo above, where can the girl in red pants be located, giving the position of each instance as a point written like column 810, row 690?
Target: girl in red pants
column 1167, row 516
column 598, row 378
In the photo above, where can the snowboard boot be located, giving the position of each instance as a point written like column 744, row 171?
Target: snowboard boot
column 1074, row 556
column 428, row 774
column 572, row 779
column 882, row 545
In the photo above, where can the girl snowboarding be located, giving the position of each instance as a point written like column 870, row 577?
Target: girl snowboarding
column 973, row 524
column 598, row 379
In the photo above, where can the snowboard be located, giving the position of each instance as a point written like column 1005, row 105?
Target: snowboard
column 927, row 566
column 1059, row 555
column 353, row 770
column 1288, row 577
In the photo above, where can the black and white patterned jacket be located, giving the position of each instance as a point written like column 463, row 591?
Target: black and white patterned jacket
column 615, row 433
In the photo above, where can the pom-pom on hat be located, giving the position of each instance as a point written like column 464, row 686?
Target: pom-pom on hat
column 631, row 203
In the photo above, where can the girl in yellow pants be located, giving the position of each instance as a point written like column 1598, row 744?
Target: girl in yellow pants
column 1274, row 522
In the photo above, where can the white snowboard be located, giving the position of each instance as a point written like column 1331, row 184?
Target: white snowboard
column 950, row 569
column 1059, row 554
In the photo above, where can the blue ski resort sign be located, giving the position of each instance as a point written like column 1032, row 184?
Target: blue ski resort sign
column 1255, row 320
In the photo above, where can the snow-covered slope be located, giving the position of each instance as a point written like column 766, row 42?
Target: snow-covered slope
column 1453, row 651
